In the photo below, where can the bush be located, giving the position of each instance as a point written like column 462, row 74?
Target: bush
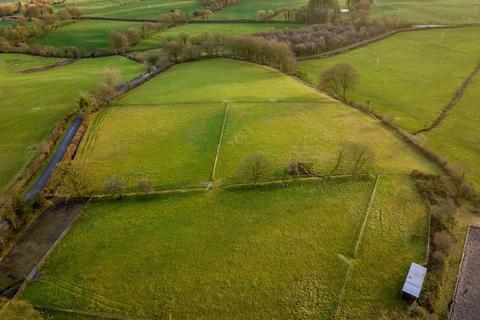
column 255, row 168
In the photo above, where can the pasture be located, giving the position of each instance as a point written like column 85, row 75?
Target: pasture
column 182, row 131
column 410, row 76
column 224, row 29
column 257, row 254
column 85, row 34
column 429, row 11
column 247, row 9
column 135, row 9
column 458, row 136
column 32, row 104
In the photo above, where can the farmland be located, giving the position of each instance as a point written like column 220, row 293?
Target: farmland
column 196, row 29
column 87, row 34
column 234, row 178
column 27, row 117
column 248, row 9
column 147, row 9
column 458, row 136
column 189, row 130
column 425, row 11
column 426, row 67
column 226, row 251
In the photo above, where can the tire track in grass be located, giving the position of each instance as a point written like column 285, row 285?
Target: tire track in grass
column 357, row 247
column 219, row 146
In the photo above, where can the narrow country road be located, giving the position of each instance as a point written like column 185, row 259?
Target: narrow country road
column 42, row 181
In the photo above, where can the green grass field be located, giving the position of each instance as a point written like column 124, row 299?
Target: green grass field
column 135, row 9
column 173, row 144
column 247, row 9
column 230, row 29
column 86, row 34
column 395, row 235
column 258, row 254
column 309, row 132
column 150, row 135
column 32, row 104
column 424, row 11
column 411, row 76
column 458, row 136
column 216, row 80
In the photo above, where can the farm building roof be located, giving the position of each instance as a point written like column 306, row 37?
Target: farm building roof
column 414, row 282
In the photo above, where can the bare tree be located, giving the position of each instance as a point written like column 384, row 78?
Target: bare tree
column 75, row 181
column 112, row 77
column 339, row 79
column 116, row 188
column 146, row 186
column 359, row 158
column 255, row 168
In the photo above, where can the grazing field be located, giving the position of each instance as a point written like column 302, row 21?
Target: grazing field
column 458, row 136
column 224, row 29
column 410, row 76
column 171, row 144
column 135, row 9
column 247, row 9
column 216, row 80
column 395, row 235
column 257, row 254
column 86, row 34
column 309, row 132
column 424, row 11
column 158, row 133
column 32, row 104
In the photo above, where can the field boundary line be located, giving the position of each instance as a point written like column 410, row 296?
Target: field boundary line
column 365, row 220
column 344, row 288
column 457, row 97
column 89, row 313
column 219, row 146
column 323, row 101
column 47, row 67
column 357, row 246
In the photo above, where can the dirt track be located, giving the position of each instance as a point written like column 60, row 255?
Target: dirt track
column 33, row 246
column 466, row 303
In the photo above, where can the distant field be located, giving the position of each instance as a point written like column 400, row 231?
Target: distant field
column 32, row 104
column 247, row 9
column 411, row 76
column 458, row 136
column 136, row 9
column 149, row 135
column 216, row 80
column 446, row 11
column 230, row 29
column 86, row 34
column 257, row 254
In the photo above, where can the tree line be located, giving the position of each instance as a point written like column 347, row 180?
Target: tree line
column 327, row 37
column 254, row 49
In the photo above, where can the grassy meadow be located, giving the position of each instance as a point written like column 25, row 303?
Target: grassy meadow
column 257, row 254
column 247, row 9
column 308, row 132
column 458, row 136
column 85, row 34
column 395, row 235
column 224, row 29
column 425, row 11
column 174, row 144
column 135, row 9
column 148, row 134
column 410, row 76
column 217, row 80
column 32, row 104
